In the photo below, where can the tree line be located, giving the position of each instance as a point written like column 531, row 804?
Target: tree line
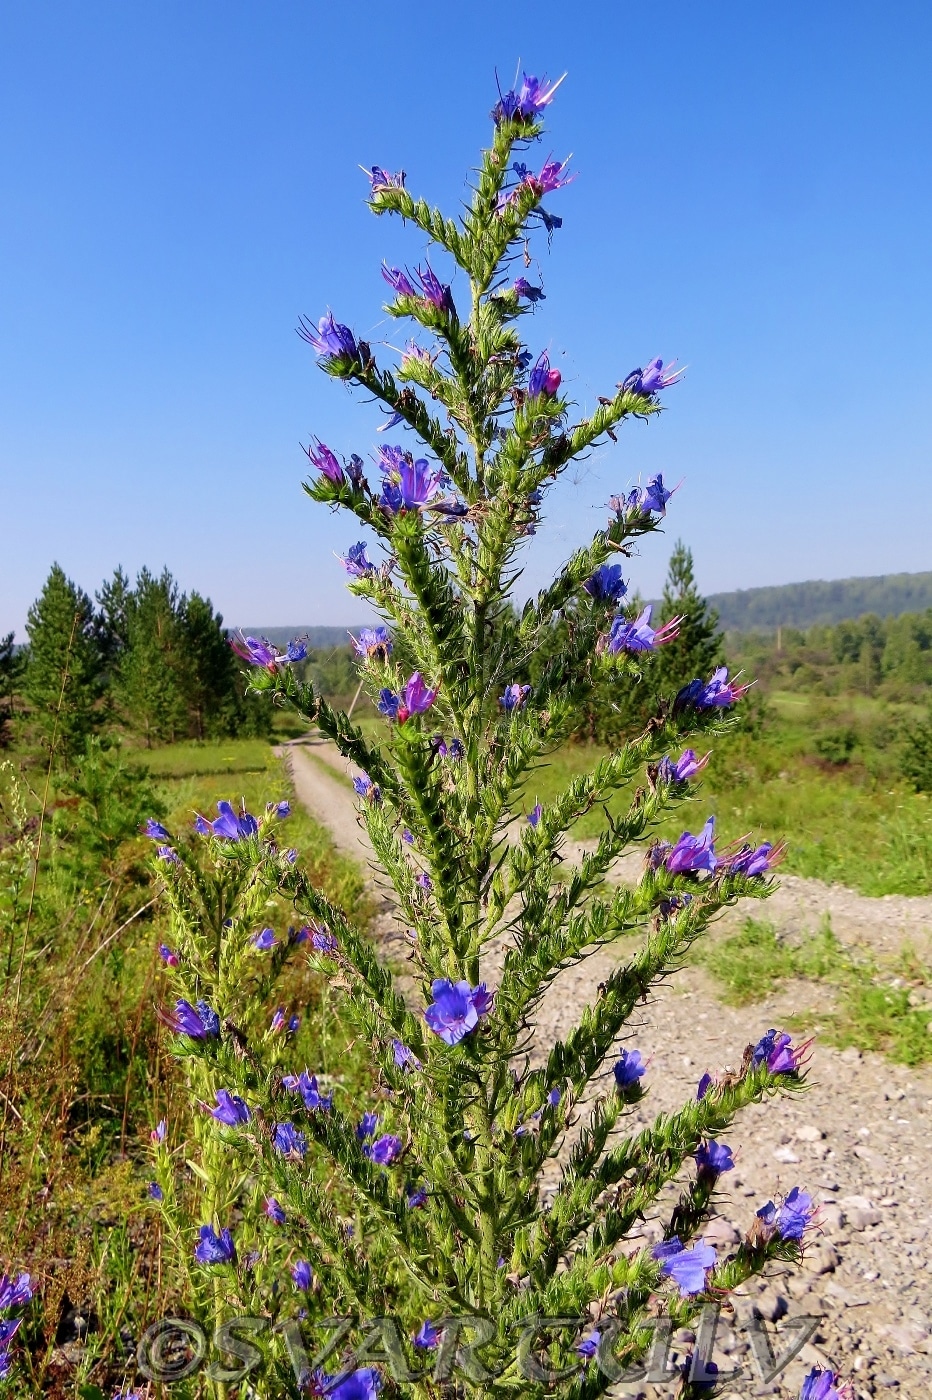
column 146, row 657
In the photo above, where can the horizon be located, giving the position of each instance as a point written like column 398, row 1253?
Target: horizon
column 739, row 207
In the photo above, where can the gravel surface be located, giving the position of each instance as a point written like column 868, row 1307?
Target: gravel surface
column 859, row 1140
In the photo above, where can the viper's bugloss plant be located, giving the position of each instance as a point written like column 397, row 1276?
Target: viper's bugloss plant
column 422, row 1207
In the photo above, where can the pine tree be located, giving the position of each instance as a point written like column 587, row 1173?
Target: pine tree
column 213, row 692
column 113, row 601
column 698, row 648
column 63, row 671
column 148, row 684
column 11, row 669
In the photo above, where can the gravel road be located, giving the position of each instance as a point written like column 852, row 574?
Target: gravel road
column 860, row 1139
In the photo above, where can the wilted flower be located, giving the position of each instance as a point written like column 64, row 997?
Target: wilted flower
column 355, row 562
column 380, row 179
column 750, row 861
column 456, row 1009
column 707, row 695
column 777, row 1052
column 514, row 697
column 639, row 635
column 326, row 463
column 629, row 1068
column 303, row 1274
column 606, row 585
column 323, row 941
column 330, row 340
column 157, row 1134
column 213, row 1248
column 230, row 1109
column 687, row 1267
column 651, row 380
column 227, row 826
column 522, row 288
column 405, row 1057
column 543, row 379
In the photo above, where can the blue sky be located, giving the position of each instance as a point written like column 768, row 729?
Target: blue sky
column 181, row 182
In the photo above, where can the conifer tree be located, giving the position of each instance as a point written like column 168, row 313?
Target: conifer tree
column 11, row 668
column 148, row 683
column 698, row 647
column 63, row 670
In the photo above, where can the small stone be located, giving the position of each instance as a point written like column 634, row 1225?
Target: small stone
column 850, row 1056
column 884, row 1378
column 785, row 1154
column 721, row 1233
column 821, row 1259
column 809, row 1133
column 771, row 1306
column 831, row 1218
column 862, row 1219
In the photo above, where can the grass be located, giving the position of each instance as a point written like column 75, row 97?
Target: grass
column 874, row 1007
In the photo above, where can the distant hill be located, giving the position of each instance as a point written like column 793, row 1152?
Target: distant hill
column 318, row 638
column 822, row 602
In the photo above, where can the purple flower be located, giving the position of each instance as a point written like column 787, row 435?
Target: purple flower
column 424, row 880
column 274, row 1211
column 288, row 1141
column 685, row 767
column 306, row 1085
column 281, row 809
column 169, row 958
column 412, row 487
column 523, row 288
column 227, row 826
column 777, row 1052
column 551, row 177
column 457, row 1009
column 415, row 699
column 525, row 103
column 713, row 1158
column 588, row 1346
column 543, row 379
column 230, row 1109
column 407, row 837
column 367, row 1126
column 372, row 642
column 426, row 1338
column 155, row 1191
column 687, row 1267
column 330, row 340
column 323, row 941
column 355, row 562
column 791, row 1219
column 364, row 787
column 363, row 1384
column 385, row 1150
column 416, row 1198
column 693, row 853
column 405, row 1057
column 198, row 1022
column 703, row 1087
column 639, row 635
column 326, row 463
column 15, row 1292
column 265, row 941
column 166, row 853
column 398, row 282
column 436, row 292
column 457, row 751
column 303, row 1275
column 629, row 1068
column 155, row 830
column 707, row 695
column 606, row 585
column 822, row 1385
column 651, row 380
column 654, row 496
column 535, row 814
column 381, row 180
column 514, row 697
column 157, row 1134
column 750, row 862
column 213, row 1248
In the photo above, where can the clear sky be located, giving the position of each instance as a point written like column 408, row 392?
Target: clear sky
column 180, row 181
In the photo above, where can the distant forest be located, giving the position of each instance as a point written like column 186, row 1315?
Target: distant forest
column 821, row 603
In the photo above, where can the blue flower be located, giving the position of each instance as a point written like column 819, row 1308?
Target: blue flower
column 330, row 340
column 265, row 941
column 629, row 1068
column 405, row 1058
column 514, row 697
column 687, row 1267
column 522, row 288
column 535, row 814
column 691, row 853
column 791, row 1219
column 303, row 1274
column 822, row 1385
column 718, row 692
column 385, row 1150
column 355, row 562
column 288, row 1141
column 638, row 635
column 230, row 1109
column 199, row 1022
column 543, row 380
column 588, row 1346
column 606, row 585
column 155, row 1191
column 713, row 1158
column 651, row 380
column 380, row 179
column 227, row 826
column 155, row 831
column 525, row 103
column 684, row 768
column 213, row 1248
column 372, row 642
column 426, row 1338
column 274, row 1210
column 457, row 1009
column 367, row 1126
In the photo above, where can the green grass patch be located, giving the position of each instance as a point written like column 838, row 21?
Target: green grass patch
column 874, row 1010
column 196, row 759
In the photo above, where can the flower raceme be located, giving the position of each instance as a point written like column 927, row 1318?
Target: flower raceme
column 259, row 652
column 649, row 382
column 325, row 461
column 525, row 103
column 543, row 380
column 716, row 693
column 330, row 340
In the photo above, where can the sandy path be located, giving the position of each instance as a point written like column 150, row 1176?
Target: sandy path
column 860, row 1139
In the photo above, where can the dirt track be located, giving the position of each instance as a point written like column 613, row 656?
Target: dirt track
column 860, row 1140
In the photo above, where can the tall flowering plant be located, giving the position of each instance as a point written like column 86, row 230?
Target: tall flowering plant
column 423, row 1207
